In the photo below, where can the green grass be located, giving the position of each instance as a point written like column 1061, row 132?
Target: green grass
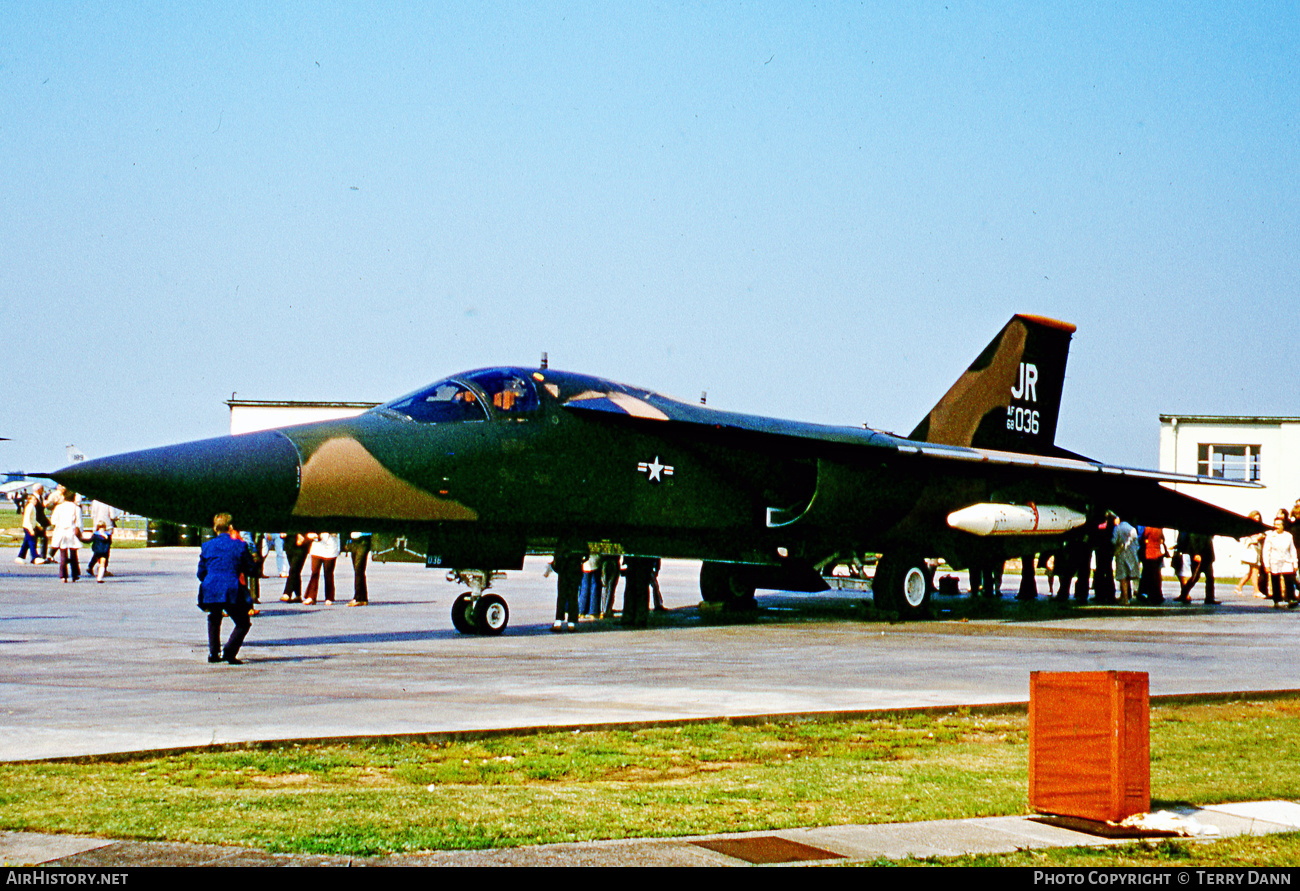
column 11, row 530
column 521, row 790
column 404, row 796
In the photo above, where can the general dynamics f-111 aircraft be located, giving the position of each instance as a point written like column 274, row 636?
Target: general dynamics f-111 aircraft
column 473, row 472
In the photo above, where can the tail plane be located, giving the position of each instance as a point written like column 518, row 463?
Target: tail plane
column 1010, row 397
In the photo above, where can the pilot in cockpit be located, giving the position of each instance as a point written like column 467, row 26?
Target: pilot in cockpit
column 507, row 398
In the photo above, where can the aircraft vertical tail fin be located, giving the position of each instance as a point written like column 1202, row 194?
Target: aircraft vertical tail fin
column 1010, row 397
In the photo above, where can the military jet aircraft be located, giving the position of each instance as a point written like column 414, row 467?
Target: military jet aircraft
column 475, row 471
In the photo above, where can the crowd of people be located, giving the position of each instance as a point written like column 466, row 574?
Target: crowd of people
column 52, row 524
column 1273, row 561
column 324, row 550
column 586, row 588
column 1124, row 563
column 232, row 564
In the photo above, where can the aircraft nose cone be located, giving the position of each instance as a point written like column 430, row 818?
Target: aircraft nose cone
column 253, row 477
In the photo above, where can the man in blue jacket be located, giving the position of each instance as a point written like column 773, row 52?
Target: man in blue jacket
column 221, row 562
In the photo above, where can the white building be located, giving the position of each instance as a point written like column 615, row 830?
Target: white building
column 250, row 415
column 1261, row 450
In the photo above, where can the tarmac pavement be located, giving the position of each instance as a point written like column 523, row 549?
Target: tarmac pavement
column 91, row 669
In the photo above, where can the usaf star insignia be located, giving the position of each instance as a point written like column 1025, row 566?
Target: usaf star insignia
column 655, row 470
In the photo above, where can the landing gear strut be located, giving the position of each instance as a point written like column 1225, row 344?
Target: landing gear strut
column 475, row 612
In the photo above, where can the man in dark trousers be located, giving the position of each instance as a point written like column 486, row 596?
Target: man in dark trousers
column 358, row 544
column 1103, row 549
column 42, row 525
column 636, row 591
column 568, row 576
column 1028, row 583
column 221, row 592
column 296, row 546
column 609, row 583
column 1201, row 550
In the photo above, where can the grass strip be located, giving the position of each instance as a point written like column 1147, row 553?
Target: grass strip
column 401, row 796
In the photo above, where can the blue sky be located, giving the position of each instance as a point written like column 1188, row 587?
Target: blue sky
column 814, row 212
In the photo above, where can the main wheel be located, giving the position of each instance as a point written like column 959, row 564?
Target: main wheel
column 726, row 584
column 715, row 586
column 491, row 615
column 460, row 617
column 902, row 585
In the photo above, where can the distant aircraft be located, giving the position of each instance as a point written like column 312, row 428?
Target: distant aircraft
column 475, row 471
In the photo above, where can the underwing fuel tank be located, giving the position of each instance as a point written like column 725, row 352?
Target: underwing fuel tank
column 1015, row 519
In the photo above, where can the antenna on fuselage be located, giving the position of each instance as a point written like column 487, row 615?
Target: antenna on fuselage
column 545, row 363
column 704, row 397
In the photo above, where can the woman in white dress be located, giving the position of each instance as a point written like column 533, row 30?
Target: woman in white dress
column 1280, row 560
column 1254, row 559
column 324, row 554
column 66, row 535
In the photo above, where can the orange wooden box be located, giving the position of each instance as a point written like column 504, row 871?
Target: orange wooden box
column 1089, row 744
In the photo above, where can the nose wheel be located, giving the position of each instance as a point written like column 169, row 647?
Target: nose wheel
column 462, row 613
column 475, row 612
column 491, row 615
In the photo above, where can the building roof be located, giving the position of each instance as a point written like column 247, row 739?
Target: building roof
column 1229, row 419
column 291, row 403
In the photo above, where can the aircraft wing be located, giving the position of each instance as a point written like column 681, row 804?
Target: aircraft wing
column 1136, row 494
column 1133, row 493
column 644, row 406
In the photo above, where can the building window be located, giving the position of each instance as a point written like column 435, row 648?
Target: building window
column 1229, row 462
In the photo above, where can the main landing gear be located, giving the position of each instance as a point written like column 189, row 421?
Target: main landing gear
column 902, row 584
column 728, row 585
column 475, row 612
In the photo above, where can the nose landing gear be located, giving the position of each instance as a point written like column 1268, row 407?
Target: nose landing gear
column 475, row 612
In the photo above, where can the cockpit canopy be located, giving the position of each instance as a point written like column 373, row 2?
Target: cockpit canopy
column 468, row 397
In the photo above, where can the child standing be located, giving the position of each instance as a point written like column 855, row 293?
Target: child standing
column 99, row 545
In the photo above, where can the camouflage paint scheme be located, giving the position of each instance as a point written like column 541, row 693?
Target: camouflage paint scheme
column 592, row 465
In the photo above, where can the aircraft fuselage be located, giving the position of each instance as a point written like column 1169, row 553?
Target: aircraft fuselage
column 475, row 471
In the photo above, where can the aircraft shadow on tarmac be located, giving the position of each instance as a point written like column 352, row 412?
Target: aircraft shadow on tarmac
column 771, row 609
column 789, row 607
column 31, row 618
column 275, row 609
column 359, row 638
column 427, row 634
column 263, row 659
